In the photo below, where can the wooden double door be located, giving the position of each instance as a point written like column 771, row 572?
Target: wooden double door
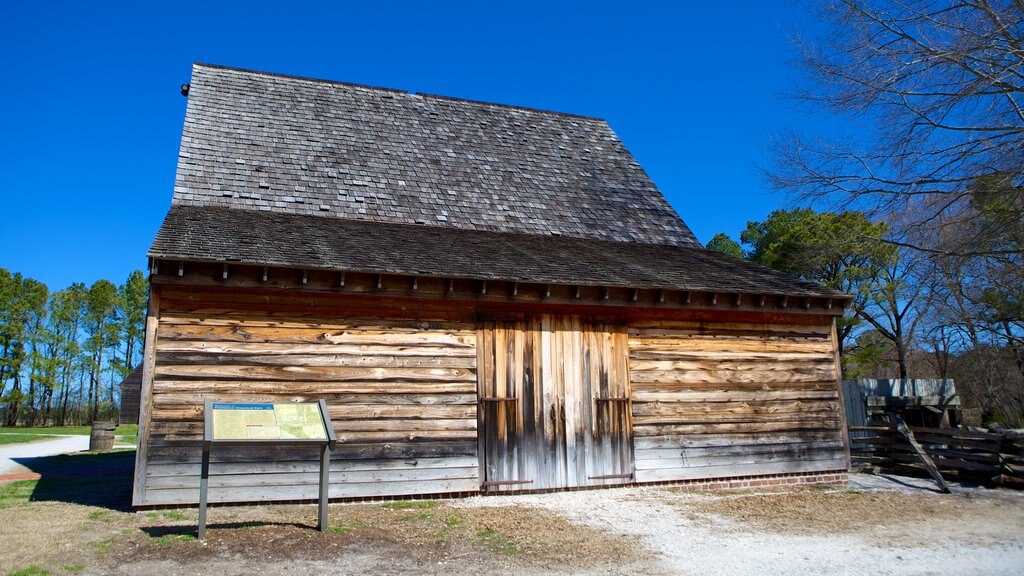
column 554, row 403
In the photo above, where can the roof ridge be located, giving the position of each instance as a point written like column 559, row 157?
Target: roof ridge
column 297, row 77
column 395, row 90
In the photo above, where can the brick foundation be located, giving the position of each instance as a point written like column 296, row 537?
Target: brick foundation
column 825, row 478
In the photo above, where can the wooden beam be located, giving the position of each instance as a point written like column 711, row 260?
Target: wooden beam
column 146, row 396
column 224, row 275
column 181, row 269
column 739, row 299
column 509, row 292
column 154, row 266
column 807, row 303
column 785, row 302
column 929, row 465
column 828, row 304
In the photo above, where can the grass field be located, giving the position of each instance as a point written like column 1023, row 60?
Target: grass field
column 126, row 433
column 9, row 438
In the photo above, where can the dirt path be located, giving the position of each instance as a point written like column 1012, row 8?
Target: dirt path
column 894, row 529
column 880, row 526
column 46, row 446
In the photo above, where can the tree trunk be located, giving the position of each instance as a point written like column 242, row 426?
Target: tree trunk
column 15, row 403
column 901, row 352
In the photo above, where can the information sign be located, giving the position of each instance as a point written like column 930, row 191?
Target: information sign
column 293, row 421
column 288, row 424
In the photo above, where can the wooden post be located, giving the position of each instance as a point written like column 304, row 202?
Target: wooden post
column 844, row 433
column 929, row 465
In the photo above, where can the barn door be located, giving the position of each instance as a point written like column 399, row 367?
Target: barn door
column 554, row 404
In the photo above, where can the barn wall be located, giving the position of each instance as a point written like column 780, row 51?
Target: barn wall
column 401, row 393
column 733, row 399
column 713, row 394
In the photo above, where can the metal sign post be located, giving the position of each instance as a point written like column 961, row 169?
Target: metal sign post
column 291, row 424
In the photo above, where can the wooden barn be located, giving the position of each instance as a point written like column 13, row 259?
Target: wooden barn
column 489, row 298
column 131, row 391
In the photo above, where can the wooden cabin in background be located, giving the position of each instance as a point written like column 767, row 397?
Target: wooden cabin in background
column 489, row 298
column 131, row 391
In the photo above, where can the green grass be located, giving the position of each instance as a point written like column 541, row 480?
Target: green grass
column 100, row 515
column 32, row 570
column 170, row 539
column 452, row 522
column 43, row 430
column 168, row 514
column 74, row 567
column 127, row 434
column 103, row 546
column 122, row 430
column 346, row 527
column 496, row 542
column 16, row 493
column 411, row 504
column 7, row 438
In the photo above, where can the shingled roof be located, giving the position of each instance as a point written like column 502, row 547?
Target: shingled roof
column 206, row 234
column 283, row 171
column 291, row 145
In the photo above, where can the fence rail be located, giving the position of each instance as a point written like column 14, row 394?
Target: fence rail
column 986, row 457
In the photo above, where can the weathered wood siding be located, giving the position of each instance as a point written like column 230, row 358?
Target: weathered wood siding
column 401, row 393
column 131, row 391
column 554, row 403
column 729, row 399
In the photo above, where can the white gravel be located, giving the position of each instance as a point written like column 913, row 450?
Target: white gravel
column 709, row 546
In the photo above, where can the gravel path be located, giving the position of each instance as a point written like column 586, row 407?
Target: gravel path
column 693, row 543
column 11, row 453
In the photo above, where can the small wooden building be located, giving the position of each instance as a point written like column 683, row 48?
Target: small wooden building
column 489, row 298
column 131, row 390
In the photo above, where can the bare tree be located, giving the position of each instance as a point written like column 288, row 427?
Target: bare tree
column 934, row 91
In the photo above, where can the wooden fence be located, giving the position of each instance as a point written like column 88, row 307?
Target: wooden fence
column 984, row 457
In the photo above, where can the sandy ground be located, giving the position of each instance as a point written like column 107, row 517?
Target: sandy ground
column 880, row 525
column 45, row 446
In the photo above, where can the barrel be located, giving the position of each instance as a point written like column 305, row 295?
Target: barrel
column 102, row 436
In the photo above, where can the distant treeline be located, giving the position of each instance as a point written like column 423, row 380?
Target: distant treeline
column 63, row 354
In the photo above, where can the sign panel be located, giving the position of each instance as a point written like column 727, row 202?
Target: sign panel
column 293, row 421
column 290, row 424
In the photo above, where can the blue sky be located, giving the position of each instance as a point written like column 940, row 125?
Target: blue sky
column 93, row 112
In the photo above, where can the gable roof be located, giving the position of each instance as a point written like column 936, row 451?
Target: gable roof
column 283, row 171
column 261, row 141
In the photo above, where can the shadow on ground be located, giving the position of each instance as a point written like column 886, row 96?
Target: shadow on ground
column 102, row 479
column 190, row 530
